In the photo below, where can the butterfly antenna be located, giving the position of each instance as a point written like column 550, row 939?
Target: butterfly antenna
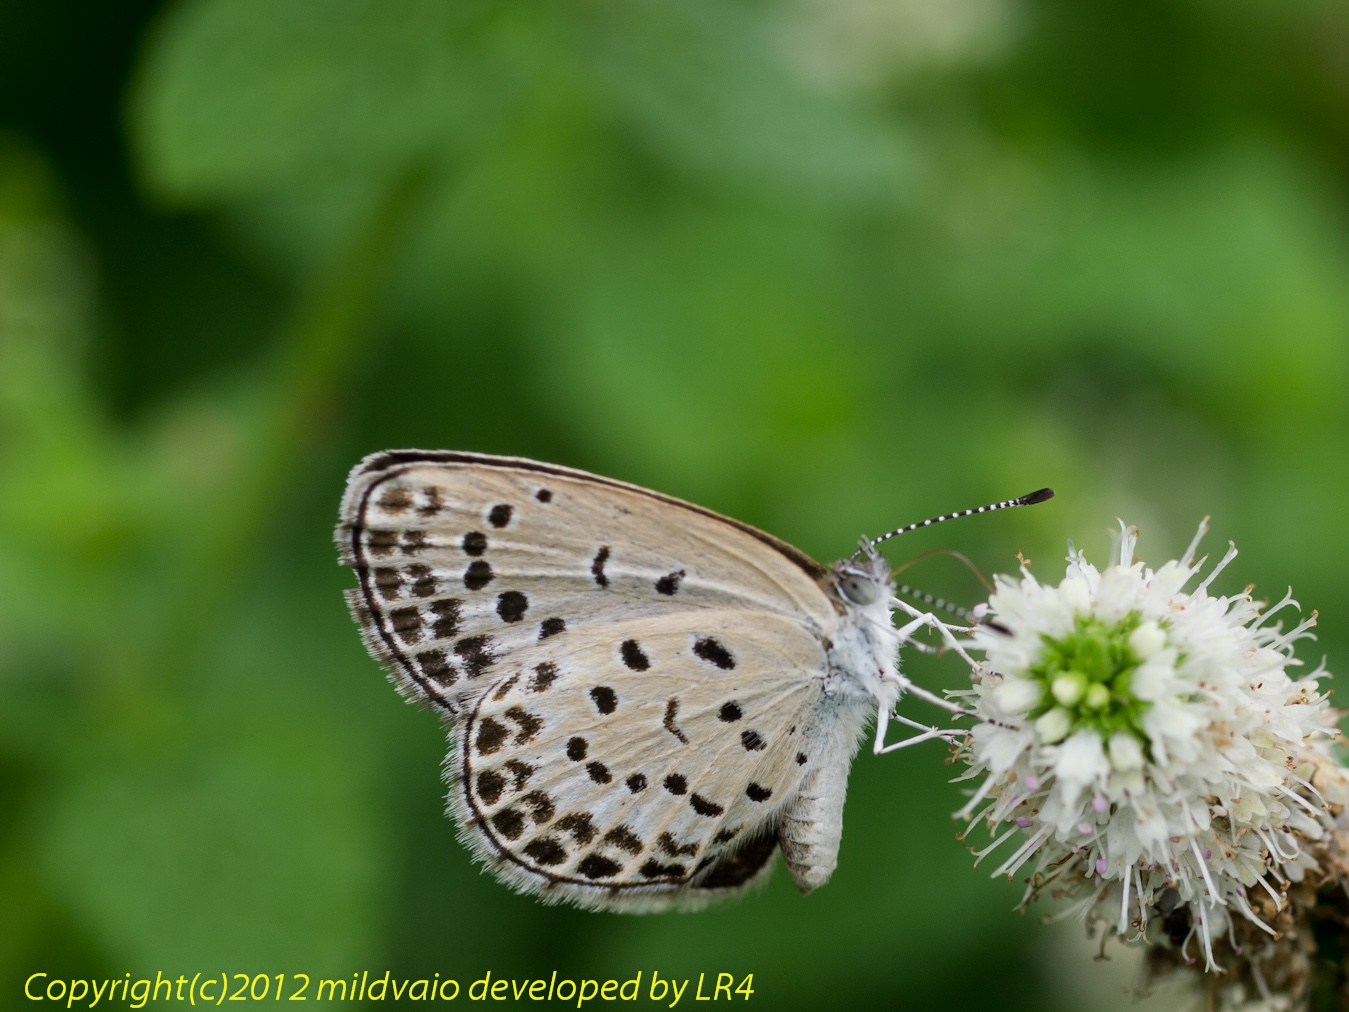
column 958, row 556
column 1029, row 499
column 964, row 614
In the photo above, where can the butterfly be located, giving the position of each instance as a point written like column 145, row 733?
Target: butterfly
column 645, row 699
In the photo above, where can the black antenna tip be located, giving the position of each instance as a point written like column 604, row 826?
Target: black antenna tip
column 1034, row 497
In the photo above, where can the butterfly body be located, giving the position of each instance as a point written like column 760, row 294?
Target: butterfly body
column 645, row 699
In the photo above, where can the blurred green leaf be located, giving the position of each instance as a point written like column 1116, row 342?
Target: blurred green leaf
column 320, row 88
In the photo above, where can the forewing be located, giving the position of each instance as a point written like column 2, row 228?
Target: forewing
column 469, row 564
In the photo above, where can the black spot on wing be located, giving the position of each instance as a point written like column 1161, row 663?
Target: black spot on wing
column 546, row 850
column 543, row 495
column 654, row 869
column 726, row 835
column 475, row 654
column 636, row 783
column 503, row 690
column 528, row 724
column 491, row 736
column 381, row 542
column 633, row 656
column 667, row 843
column 753, row 741
column 434, row 501
column 576, row 749
column 606, row 700
column 435, row 665
column 669, row 583
column 407, row 624
column 757, row 793
column 599, row 772
column 511, row 606
column 598, row 866
column 540, row 806
column 713, row 652
column 676, row 783
column 597, row 566
column 414, row 542
column 671, row 714
column 387, row 582
column 545, row 674
column 624, row 838
column 741, row 866
column 474, row 543
column 509, row 823
column 395, row 499
column 446, row 624
column 704, row 807
column 579, row 825
column 500, row 515
column 730, row 712
column 491, row 784
column 551, row 627
column 425, row 584
column 521, row 771
column 800, row 758
column 478, row 574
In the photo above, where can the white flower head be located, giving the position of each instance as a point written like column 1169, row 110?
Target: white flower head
column 1300, row 966
column 1147, row 746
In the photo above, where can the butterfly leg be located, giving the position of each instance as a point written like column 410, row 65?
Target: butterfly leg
column 904, row 634
column 886, row 714
column 923, row 618
column 929, row 697
column 928, row 734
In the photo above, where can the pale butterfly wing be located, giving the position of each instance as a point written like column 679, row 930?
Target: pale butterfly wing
column 463, row 558
column 639, row 787
column 635, row 685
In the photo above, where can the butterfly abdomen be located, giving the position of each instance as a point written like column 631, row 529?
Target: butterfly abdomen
column 812, row 826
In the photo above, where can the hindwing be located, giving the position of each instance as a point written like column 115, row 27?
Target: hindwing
column 632, row 786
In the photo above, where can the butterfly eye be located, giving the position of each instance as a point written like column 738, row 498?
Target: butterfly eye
column 858, row 590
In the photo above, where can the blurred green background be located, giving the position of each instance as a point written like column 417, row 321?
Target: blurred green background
column 825, row 265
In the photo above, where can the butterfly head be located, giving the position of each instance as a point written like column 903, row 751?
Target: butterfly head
column 861, row 583
column 864, row 644
column 858, row 588
column 867, row 644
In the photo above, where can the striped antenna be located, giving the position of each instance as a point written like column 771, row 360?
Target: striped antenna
column 951, row 609
column 936, row 602
column 1026, row 500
